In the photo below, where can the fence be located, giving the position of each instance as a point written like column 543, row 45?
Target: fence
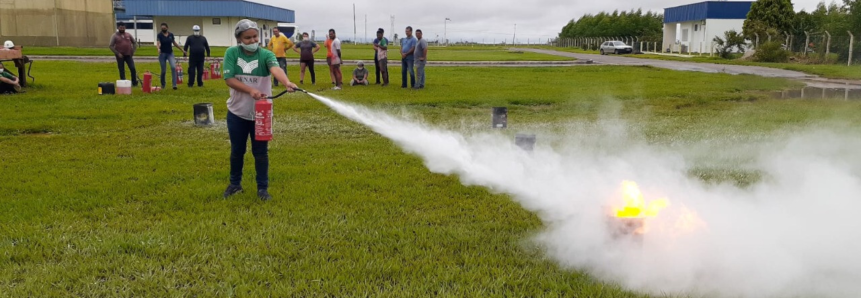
column 827, row 47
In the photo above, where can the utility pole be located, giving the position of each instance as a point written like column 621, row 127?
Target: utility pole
column 366, row 27
column 392, row 32
column 514, row 38
column 445, row 31
column 354, row 23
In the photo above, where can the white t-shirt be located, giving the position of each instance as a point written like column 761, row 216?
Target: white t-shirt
column 336, row 44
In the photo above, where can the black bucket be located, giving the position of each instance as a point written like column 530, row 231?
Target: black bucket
column 525, row 141
column 500, row 117
column 106, row 88
column 203, row 114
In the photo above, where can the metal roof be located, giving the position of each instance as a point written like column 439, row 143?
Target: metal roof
column 206, row 8
column 731, row 10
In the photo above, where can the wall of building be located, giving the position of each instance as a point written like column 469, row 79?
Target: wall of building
column 700, row 34
column 79, row 23
column 216, row 34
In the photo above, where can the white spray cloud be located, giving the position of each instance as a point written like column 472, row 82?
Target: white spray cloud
column 795, row 233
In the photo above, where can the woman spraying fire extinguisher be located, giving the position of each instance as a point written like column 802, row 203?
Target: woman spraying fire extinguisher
column 248, row 71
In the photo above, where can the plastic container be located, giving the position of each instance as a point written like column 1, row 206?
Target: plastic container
column 106, row 88
column 124, row 87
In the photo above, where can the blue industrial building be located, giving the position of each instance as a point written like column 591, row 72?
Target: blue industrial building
column 691, row 28
column 215, row 17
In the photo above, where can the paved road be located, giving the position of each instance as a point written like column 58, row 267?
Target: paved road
column 679, row 65
column 103, row 59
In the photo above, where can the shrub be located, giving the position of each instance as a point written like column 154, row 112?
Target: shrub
column 771, row 52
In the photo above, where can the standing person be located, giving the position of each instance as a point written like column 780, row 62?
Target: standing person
column 360, row 75
column 9, row 83
column 247, row 71
column 279, row 44
column 377, row 59
column 382, row 48
column 306, row 49
column 333, row 58
column 199, row 46
column 165, row 43
column 123, row 46
column 408, row 47
column 421, row 55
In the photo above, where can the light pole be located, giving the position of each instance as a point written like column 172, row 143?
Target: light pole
column 514, row 38
column 445, row 30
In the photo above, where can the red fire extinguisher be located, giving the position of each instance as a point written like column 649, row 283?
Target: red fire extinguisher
column 147, row 82
column 178, row 72
column 215, row 70
column 263, row 118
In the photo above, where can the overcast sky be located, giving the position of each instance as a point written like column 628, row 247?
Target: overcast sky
column 470, row 19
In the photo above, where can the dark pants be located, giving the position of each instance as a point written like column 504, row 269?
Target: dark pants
column 195, row 70
column 7, row 88
column 239, row 130
column 131, row 62
column 282, row 62
column 377, row 67
column 407, row 64
column 383, row 67
column 310, row 65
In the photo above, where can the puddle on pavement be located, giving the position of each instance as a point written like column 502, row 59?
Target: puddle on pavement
column 847, row 93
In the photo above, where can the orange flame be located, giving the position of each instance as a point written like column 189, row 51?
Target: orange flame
column 636, row 206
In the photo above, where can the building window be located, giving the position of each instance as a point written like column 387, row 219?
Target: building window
column 696, row 27
column 216, row 21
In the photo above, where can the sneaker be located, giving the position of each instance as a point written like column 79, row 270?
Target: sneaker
column 336, row 88
column 384, row 85
column 301, row 82
column 263, row 194
column 232, row 190
column 352, row 83
column 377, row 83
column 174, row 87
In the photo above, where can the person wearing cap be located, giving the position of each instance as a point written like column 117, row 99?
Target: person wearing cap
column 123, row 46
column 333, row 58
column 421, row 56
column 165, row 42
column 197, row 46
column 381, row 46
column 279, row 45
column 408, row 47
column 9, row 83
column 306, row 49
column 248, row 71
column 360, row 75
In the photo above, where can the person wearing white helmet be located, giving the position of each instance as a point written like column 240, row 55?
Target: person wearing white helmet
column 360, row 75
column 196, row 46
column 248, row 71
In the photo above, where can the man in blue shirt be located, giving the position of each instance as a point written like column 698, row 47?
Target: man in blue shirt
column 408, row 47
column 165, row 42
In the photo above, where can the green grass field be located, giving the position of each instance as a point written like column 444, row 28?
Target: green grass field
column 121, row 195
column 349, row 52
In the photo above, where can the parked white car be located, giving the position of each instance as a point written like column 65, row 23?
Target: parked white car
column 615, row 47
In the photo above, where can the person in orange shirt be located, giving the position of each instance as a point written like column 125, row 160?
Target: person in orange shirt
column 333, row 58
column 279, row 44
